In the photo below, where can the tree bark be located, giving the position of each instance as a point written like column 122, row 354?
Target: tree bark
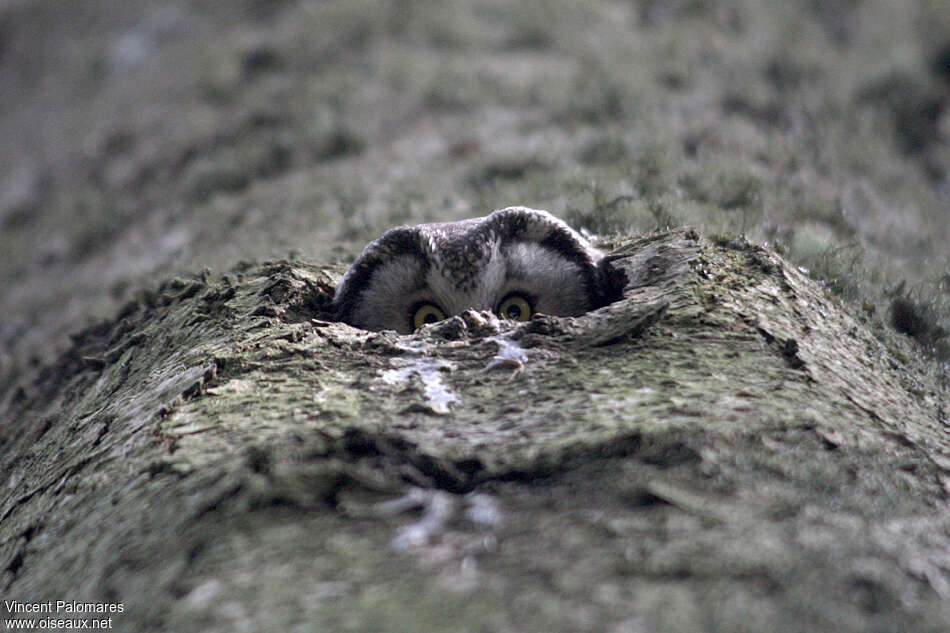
column 727, row 448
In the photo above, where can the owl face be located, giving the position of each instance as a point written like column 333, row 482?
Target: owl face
column 515, row 262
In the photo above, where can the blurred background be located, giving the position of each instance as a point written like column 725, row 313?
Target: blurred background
column 144, row 139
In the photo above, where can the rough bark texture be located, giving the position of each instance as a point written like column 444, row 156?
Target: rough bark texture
column 725, row 449
column 739, row 445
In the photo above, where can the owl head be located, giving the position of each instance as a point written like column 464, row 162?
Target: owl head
column 515, row 262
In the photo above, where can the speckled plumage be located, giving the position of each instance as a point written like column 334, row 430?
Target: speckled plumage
column 472, row 264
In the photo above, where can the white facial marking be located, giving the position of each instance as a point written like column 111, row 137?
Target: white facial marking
column 471, row 264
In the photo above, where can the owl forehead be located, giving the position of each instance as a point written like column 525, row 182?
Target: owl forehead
column 461, row 257
column 463, row 246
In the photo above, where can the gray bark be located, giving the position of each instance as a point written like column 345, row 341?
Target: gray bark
column 727, row 448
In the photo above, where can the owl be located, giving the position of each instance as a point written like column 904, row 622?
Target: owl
column 515, row 262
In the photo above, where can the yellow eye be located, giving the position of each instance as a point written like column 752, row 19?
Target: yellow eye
column 426, row 313
column 515, row 307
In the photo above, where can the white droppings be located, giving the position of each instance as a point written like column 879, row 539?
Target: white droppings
column 438, row 396
column 440, row 507
column 510, row 354
column 483, row 511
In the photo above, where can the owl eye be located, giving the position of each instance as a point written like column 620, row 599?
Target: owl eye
column 515, row 307
column 425, row 313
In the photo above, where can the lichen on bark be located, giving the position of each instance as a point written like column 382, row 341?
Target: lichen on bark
column 725, row 448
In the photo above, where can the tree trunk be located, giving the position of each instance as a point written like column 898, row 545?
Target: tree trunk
column 724, row 449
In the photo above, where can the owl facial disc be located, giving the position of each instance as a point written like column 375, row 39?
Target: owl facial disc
column 515, row 262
